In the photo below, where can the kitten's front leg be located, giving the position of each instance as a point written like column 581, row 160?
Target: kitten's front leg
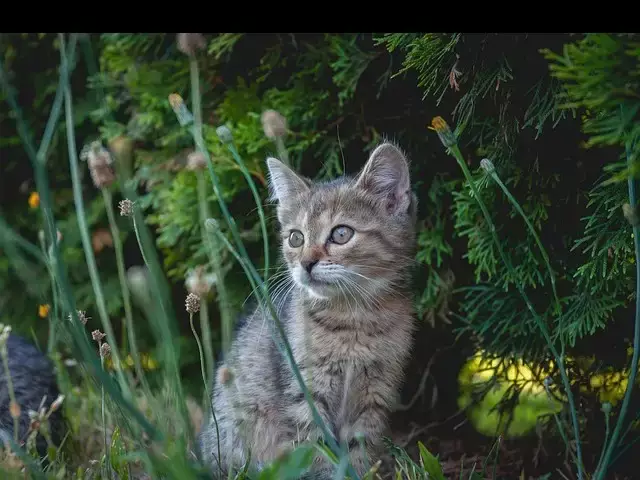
column 303, row 418
column 368, row 417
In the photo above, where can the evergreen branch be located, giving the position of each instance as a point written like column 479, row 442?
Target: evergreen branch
column 450, row 142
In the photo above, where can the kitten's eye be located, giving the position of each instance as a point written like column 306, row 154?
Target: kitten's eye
column 296, row 239
column 341, row 234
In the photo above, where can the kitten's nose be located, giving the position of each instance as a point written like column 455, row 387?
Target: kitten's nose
column 308, row 264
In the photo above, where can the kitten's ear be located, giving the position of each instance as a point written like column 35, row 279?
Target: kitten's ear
column 284, row 183
column 386, row 175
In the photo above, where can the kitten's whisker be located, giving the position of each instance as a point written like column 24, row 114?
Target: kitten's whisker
column 385, row 287
column 280, row 292
column 364, row 293
column 275, row 276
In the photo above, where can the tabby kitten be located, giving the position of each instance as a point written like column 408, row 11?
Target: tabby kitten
column 347, row 312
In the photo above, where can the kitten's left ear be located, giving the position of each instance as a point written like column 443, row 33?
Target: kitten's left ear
column 386, row 175
column 284, row 183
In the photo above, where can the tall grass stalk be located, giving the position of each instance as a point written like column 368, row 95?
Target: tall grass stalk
column 488, row 166
column 205, row 383
column 226, row 318
column 222, row 296
column 165, row 336
column 51, row 341
column 84, row 231
column 103, row 411
column 633, row 369
column 81, row 344
column 450, row 142
column 124, row 287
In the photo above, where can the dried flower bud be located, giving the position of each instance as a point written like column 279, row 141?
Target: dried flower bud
column 57, row 403
column 82, row 316
column 224, row 134
column 445, row 134
column 274, row 124
column 126, row 208
column 196, row 161
column 180, row 109
column 97, row 335
column 211, row 224
column 192, row 303
column 487, row 166
column 105, row 350
column 189, row 43
column 631, row 214
column 99, row 161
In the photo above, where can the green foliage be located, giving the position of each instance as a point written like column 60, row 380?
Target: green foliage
column 512, row 99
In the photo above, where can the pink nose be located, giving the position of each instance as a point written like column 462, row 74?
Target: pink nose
column 308, row 264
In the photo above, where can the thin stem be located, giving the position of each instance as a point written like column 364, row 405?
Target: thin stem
column 84, row 230
column 455, row 151
column 206, row 339
column 65, row 71
column 533, row 232
column 282, row 151
column 213, row 252
column 258, row 200
column 51, row 342
column 165, row 336
column 633, row 370
column 607, row 432
column 124, row 285
column 104, row 417
column 204, row 381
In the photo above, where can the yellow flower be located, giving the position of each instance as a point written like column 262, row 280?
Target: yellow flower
column 43, row 310
column 438, row 124
column 447, row 137
column 34, row 200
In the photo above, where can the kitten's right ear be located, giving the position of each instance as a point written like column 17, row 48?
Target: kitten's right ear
column 284, row 183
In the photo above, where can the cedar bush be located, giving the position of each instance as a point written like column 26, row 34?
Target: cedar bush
column 557, row 115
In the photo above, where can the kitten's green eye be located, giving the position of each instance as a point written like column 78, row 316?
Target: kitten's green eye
column 296, row 239
column 341, row 234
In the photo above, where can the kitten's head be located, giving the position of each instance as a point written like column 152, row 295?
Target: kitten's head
column 350, row 236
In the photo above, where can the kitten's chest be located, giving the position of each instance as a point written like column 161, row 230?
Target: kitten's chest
column 338, row 338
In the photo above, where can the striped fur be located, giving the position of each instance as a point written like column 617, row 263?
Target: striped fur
column 349, row 321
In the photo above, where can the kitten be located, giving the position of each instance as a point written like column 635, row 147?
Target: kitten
column 347, row 312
